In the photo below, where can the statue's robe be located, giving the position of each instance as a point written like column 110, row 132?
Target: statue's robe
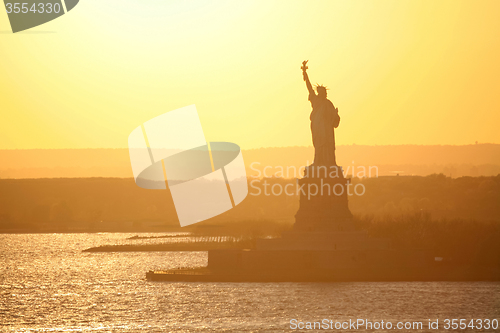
column 324, row 118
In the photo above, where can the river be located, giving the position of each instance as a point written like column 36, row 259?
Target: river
column 47, row 284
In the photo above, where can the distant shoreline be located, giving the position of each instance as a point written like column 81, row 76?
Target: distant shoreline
column 453, row 160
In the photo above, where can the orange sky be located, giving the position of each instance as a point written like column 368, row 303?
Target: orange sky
column 400, row 72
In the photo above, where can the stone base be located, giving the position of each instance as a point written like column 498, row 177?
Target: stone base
column 347, row 265
column 324, row 201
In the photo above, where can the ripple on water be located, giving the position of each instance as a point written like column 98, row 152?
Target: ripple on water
column 48, row 284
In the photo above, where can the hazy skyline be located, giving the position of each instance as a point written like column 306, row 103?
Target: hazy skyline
column 453, row 161
column 399, row 72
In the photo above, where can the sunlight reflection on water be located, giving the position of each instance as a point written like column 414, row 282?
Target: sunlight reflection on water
column 48, row 284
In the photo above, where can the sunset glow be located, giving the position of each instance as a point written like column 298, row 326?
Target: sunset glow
column 400, row 72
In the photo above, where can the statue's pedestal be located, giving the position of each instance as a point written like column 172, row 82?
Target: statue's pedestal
column 323, row 221
column 323, row 201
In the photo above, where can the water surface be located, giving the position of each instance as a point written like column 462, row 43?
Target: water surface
column 48, row 284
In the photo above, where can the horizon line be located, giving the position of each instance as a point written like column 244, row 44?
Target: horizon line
column 274, row 147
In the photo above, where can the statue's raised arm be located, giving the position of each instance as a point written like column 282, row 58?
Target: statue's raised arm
column 306, row 77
